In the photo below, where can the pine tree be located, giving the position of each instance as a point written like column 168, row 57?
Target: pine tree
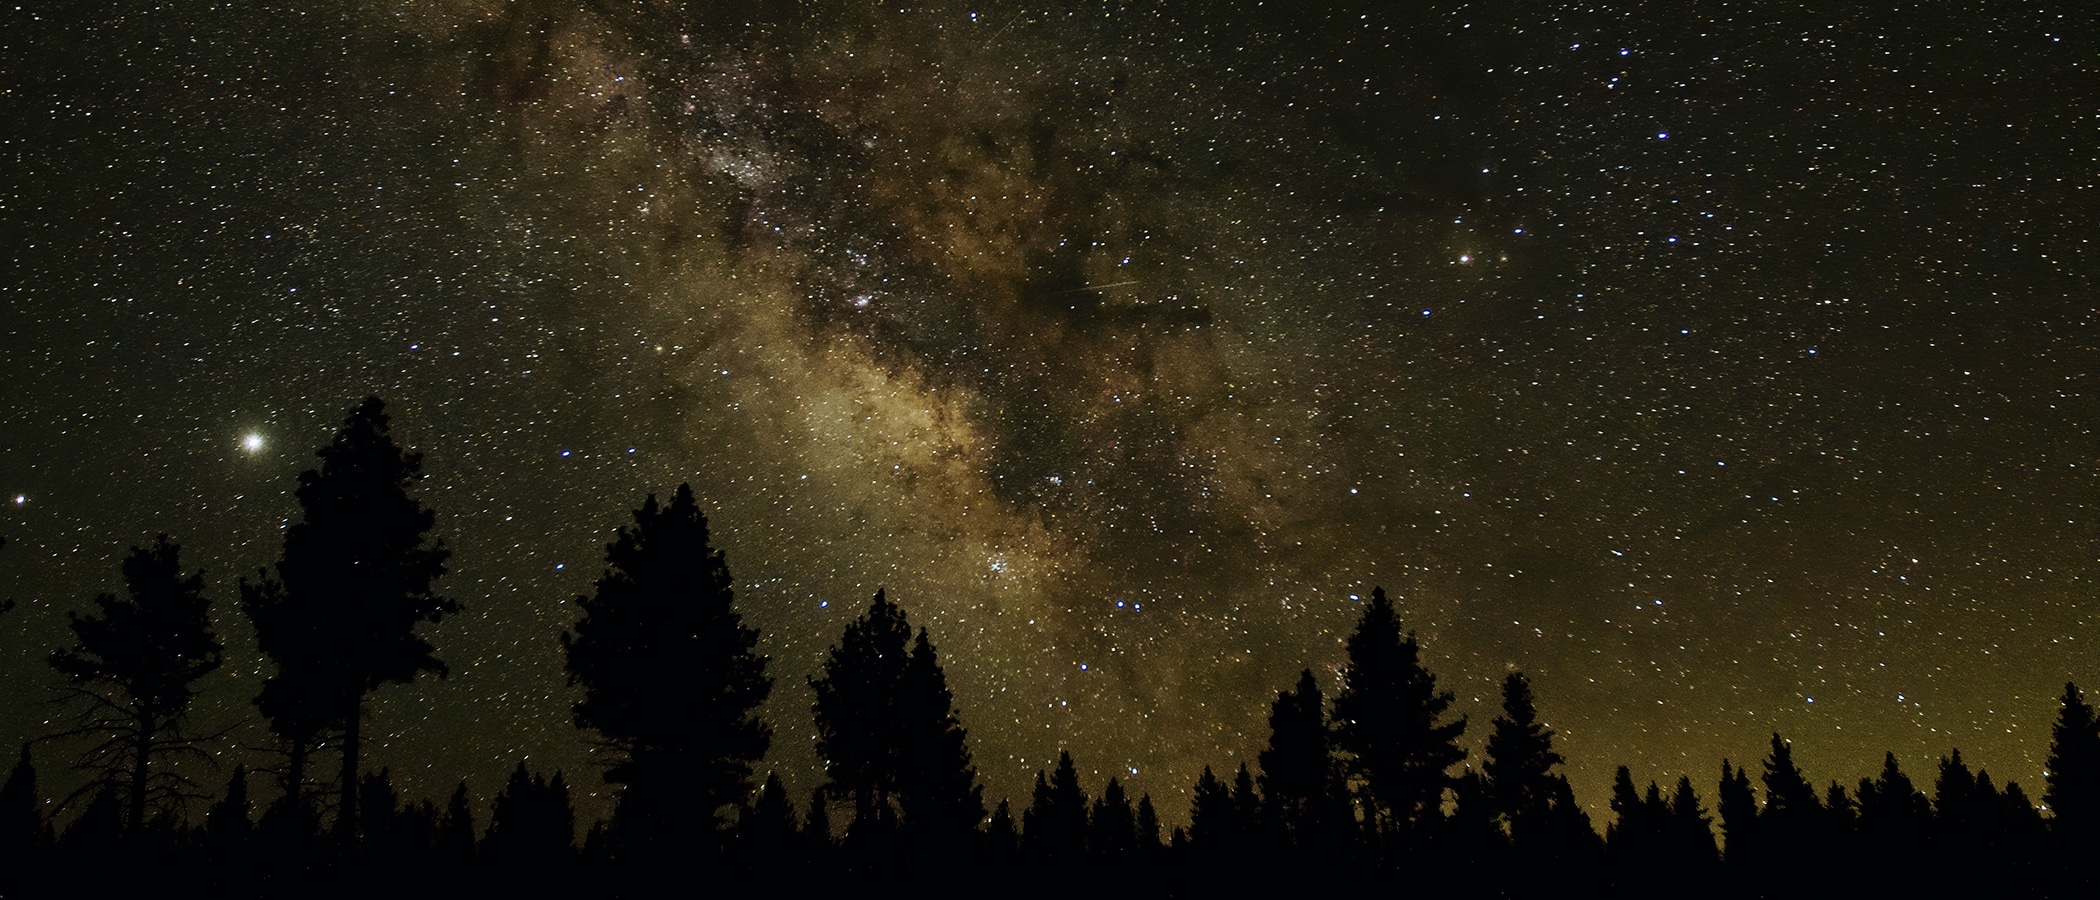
column 1520, row 760
column 1894, row 816
column 1739, row 823
column 1297, row 769
column 531, row 822
column 939, row 800
column 1388, row 722
column 2071, row 788
column 1691, row 834
column 340, row 618
column 1214, row 822
column 1147, row 825
column 227, row 823
column 816, row 826
column 889, row 735
column 1112, row 829
column 136, row 666
column 766, row 830
column 671, row 678
column 1001, row 836
column 1792, row 822
column 21, row 823
column 455, row 834
column 1055, row 824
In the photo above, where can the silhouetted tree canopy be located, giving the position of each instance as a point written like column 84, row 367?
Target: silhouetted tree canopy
column 670, row 674
column 1520, row 761
column 135, row 667
column 888, row 732
column 1300, row 782
column 340, row 618
column 1388, row 721
column 2072, row 785
column 1055, row 824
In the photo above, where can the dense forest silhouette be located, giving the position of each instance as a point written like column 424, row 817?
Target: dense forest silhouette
column 1369, row 790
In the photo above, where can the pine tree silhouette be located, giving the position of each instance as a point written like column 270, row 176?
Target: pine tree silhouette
column 1520, row 763
column 532, row 826
column 1690, row 839
column 1112, row 828
column 671, row 679
column 1214, row 820
column 21, row 828
column 1055, row 824
column 2071, row 788
column 1299, row 781
column 1388, row 722
column 1147, row 825
column 766, row 829
column 1001, row 837
column 889, row 735
column 135, row 667
column 340, row 618
column 1739, row 822
column 455, row 845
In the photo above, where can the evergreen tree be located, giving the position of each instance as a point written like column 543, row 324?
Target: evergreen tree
column 21, row 824
column 2071, row 788
column 1690, row 841
column 1112, row 829
column 136, row 666
column 671, row 678
column 379, row 814
column 766, row 828
column 1739, row 823
column 531, row 823
column 1792, row 822
column 816, row 826
column 298, row 701
column 1214, row 822
column 1055, row 824
column 1388, row 723
column 1001, row 836
column 93, row 838
column 1298, row 780
column 1246, row 804
column 938, row 796
column 227, row 823
column 889, row 735
column 340, row 618
column 1147, row 825
column 1520, row 761
column 1894, row 818
column 1636, row 836
column 455, row 832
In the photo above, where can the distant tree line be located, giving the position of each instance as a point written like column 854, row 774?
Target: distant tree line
column 1369, row 791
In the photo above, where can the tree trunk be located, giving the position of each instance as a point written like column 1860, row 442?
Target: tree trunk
column 141, row 751
column 346, row 810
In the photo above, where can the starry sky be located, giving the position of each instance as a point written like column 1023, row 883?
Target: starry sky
column 1727, row 367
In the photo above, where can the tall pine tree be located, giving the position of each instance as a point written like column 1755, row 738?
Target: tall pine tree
column 671, row 678
column 136, row 666
column 1298, row 778
column 2071, row 788
column 889, row 735
column 1520, row 762
column 340, row 618
column 1389, row 723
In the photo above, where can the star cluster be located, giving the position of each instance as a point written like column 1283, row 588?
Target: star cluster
column 1728, row 368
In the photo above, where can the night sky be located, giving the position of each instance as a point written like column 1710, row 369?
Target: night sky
column 1727, row 367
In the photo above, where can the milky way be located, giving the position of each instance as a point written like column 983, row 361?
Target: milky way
column 1727, row 370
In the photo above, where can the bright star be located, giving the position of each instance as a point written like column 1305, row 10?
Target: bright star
column 253, row 443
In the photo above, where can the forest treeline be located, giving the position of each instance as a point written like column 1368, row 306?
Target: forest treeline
column 1368, row 790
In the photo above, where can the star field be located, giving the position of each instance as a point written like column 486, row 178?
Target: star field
column 1726, row 367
